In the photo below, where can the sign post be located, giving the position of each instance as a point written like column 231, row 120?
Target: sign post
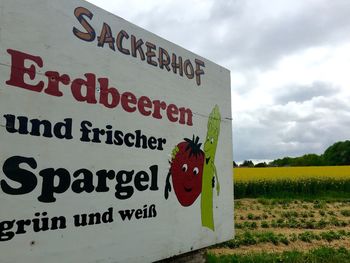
column 115, row 143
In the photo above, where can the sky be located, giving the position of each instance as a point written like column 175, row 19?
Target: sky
column 289, row 63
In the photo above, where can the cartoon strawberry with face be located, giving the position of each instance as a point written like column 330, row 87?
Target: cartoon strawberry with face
column 186, row 170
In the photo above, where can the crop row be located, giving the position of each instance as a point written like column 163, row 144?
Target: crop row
column 293, row 223
column 289, row 214
column 249, row 238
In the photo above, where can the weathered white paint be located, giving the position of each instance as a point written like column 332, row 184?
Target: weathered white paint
column 44, row 28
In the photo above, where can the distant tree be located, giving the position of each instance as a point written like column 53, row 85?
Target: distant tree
column 337, row 154
column 305, row 160
column 234, row 164
column 264, row 164
column 247, row 163
column 309, row 160
column 286, row 161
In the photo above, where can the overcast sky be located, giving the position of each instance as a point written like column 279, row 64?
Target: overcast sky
column 289, row 63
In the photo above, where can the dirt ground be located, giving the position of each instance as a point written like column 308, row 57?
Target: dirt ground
column 275, row 215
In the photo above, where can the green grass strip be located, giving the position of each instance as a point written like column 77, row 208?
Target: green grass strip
column 293, row 188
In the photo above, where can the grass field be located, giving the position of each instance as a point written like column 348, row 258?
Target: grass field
column 293, row 214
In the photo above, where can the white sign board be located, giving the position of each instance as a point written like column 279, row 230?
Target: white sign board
column 115, row 143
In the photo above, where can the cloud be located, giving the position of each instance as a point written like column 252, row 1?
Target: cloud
column 300, row 93
column 260, row 38
column 316, row 23
column 291, row 129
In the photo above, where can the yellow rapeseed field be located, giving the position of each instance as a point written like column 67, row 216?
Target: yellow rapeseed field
column 292, row 173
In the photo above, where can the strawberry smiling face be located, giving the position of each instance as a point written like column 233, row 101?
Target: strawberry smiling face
column 187, row 170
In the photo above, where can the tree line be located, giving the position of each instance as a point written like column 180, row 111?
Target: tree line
column 337, row 154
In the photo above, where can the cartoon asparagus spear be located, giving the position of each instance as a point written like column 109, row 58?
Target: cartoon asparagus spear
column 209, row 169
